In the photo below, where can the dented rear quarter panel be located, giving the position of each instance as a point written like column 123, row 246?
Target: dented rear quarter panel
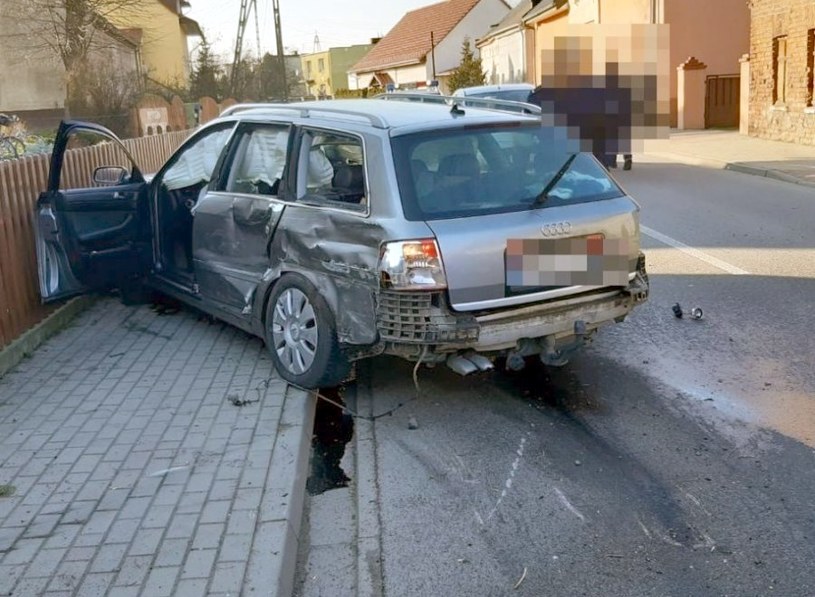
column 337, row 250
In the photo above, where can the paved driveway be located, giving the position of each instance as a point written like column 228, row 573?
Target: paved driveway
column 133, row 472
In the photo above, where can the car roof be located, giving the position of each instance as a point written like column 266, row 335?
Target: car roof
column 398, row 117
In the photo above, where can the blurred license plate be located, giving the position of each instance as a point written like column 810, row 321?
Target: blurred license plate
column 592, row 261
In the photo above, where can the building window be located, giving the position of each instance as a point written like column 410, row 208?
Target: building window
column 810, row 67
column 780, row 70
column 320, row 65
column 308, row 68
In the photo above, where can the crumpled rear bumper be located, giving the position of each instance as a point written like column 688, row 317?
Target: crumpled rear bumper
column 408, row 320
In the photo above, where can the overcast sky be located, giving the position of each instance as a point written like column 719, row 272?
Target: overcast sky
column 336, row 22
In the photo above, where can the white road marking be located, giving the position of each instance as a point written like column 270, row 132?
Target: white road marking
column 564, row 500
column 508, row 483
column 644, row 529
column 701, row 255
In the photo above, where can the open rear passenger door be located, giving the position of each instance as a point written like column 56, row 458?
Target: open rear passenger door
column 93, row 225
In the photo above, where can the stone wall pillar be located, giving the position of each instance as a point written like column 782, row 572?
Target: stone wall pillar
column 744, row 95
column 690, row 94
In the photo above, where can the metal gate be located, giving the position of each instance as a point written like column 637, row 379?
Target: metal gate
column 722, row 97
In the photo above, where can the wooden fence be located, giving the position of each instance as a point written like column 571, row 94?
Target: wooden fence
column 21, row 182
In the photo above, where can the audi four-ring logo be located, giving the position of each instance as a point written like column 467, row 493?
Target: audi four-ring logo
column 556, row 229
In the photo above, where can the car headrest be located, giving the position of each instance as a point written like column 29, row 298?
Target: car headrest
column 349, row 177
column 460, row 164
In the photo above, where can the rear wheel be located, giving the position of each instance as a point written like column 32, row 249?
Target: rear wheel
column 301, row 335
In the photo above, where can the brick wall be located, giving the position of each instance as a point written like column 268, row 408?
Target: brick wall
column 794, row 120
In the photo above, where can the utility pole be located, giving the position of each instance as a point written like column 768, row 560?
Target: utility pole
column 280, row 53
column 433, row 55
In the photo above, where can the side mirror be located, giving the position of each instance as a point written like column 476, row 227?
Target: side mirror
column 108, row 176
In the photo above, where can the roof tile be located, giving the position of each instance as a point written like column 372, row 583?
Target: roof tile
column 409, row 40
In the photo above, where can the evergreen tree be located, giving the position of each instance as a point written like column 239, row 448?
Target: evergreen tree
column 206, row 78
column 272, row 84
column 470, row 72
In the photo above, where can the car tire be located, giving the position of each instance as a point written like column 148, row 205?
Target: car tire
column 301, row 335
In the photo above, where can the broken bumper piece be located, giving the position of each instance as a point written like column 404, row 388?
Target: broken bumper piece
column 407, row 321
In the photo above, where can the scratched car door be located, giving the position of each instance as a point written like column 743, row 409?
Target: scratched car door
column 234, row 222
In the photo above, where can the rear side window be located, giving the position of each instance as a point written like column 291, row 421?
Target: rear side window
column 475, row 171
column 331, row 170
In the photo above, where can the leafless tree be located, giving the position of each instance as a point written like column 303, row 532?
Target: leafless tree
column 69, row 30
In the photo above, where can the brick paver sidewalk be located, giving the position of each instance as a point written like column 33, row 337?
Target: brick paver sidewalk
column 133, row 472
column 792, row 162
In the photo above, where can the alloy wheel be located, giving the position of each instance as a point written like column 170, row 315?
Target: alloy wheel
column 294, row 331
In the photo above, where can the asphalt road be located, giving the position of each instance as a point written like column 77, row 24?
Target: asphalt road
column 672, row 457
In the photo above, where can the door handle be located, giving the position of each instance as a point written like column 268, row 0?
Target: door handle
column 118, row 195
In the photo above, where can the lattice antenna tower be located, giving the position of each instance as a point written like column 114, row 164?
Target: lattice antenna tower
column 243, row 18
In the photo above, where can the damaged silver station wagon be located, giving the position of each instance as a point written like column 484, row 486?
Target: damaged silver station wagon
column 339, row 230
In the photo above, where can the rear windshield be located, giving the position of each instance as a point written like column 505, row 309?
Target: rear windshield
column 476, row 171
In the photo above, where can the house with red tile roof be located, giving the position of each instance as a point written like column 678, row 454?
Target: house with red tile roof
column 425, row 45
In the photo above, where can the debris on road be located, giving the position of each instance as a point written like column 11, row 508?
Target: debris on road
column 520, row 580
column 237, row 401
column 413, row 423
column 7, row 490
column 695, row 313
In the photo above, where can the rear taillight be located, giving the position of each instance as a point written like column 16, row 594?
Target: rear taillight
column 412, row 265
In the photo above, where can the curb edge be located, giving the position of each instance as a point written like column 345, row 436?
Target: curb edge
column 732, row 166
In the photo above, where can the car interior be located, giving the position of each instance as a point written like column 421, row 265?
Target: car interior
column 180, row 188
column 334, row 173
column 491, row 170
column 335, row 169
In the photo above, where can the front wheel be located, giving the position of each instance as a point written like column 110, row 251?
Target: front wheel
column 301, row 335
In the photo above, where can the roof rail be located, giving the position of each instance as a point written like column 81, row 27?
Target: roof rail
column 475, row 102
column 243, row 107
column 306, row 112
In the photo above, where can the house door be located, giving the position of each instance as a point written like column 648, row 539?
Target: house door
column 722, row 93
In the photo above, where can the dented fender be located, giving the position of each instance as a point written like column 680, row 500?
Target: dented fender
column 352, row 305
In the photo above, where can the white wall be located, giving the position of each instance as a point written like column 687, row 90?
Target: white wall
column 409, row 75
column 31, row 76
column 406, row 75
column 503, row 58
column 476, row 24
